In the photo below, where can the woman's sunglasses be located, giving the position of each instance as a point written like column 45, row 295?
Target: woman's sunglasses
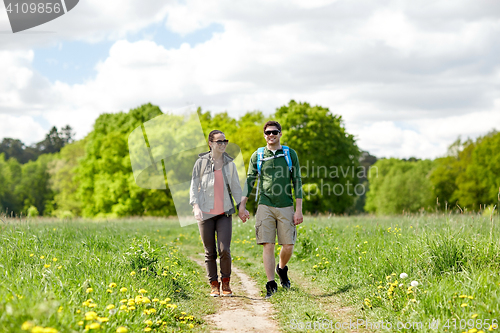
column 274, row 132
column 221, row 142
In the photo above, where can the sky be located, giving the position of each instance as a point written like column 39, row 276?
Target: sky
column 407, row 77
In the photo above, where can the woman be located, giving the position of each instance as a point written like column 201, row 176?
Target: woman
column 213, row 185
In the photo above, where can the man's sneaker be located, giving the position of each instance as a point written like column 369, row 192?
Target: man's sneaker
column 271, row 288
column 215, row 289
column 283, row 274
column 226, row 290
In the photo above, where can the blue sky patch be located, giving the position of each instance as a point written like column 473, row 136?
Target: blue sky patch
column 74, row 62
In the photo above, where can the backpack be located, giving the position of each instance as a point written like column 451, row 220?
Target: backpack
column 261, row 159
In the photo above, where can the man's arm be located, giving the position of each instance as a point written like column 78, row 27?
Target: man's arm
column 249, row 185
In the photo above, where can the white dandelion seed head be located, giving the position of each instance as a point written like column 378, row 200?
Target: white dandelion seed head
column 403, row 275
column 414, row 283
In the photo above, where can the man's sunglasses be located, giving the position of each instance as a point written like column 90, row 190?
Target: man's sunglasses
column 221, row 142
column 274, row 132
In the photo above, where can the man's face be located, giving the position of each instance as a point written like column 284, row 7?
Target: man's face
column 272, row 135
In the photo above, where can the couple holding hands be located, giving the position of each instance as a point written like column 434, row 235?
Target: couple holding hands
column 215, row 183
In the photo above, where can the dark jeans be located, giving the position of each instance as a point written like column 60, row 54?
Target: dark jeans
column 223, row 227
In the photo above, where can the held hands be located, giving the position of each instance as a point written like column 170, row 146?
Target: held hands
column 198, row 214
column 298, row 218
column 243, row 213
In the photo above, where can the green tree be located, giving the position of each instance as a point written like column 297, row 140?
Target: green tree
column 106, row 185
column 397, row 186
column 329, row 156
column 33, row 187
column 480, row 183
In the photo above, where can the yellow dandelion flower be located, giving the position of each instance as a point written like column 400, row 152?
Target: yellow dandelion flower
column 31, row 254
column 80, row 323
column 142, row 291
column 155, row 300
column 112, row 285
column 153, row 310
column 147, row 329
column 463, row 305
column 54, row 259
column 146, row 311
column 146, row 300
column 167, row 299
column 95, row 326
column 59, row 267
column 109, row 291
column 462, row 296
column 472, row 330
column 470, row 297
column 123, row 301
column 123, row 289
column 163, row 302
column 121, row 329
column 93, row 305
column 191, row 325
column 91, row 315
column 110, row 306
column 143, row 269
column 149, row 322
column 123, row 307
column 474, row 315
column 131, row 308
column 46, row 265
column 89, row 290
column 78, row 311
column 27, row 325
column 132, row 273
column 103, row 319
column 183, row 313
column 41, row 257
column 60, row 309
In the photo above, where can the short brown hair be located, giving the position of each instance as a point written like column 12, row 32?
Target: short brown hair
column 272, row 123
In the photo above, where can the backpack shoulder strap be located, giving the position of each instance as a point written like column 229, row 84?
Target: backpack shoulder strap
column 260, row 158
column 288, row 158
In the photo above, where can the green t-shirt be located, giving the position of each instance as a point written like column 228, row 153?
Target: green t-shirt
column 276, row 180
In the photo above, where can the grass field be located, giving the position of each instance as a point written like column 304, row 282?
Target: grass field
column 61, row 275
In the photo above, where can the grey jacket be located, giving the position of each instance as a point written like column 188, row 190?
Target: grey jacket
column 202, row 183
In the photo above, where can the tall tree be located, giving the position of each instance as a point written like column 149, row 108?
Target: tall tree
column 329, row 156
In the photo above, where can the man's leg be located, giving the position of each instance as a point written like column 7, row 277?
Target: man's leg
column 269, row 261
column 285, row 254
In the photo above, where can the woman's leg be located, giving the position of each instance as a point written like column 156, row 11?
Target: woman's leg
column 224, row 229
column 207, row 232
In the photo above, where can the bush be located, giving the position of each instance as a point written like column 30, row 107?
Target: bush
column 33, row 212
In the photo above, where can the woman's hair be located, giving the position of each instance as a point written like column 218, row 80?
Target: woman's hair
column 211, row 136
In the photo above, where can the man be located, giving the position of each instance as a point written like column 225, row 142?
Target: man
column 279, row 169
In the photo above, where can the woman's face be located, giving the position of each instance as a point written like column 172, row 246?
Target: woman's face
column 218, row 146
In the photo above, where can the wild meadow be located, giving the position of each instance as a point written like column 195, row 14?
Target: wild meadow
column 137, row 275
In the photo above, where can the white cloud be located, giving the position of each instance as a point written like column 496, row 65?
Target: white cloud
column 24, row 128
column 408, row 78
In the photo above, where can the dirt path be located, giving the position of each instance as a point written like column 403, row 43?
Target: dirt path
column 245, row 311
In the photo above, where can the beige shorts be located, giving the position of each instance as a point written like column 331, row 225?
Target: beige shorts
column 271, row 221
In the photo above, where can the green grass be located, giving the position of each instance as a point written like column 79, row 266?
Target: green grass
column 53, row 273
column 356, row 261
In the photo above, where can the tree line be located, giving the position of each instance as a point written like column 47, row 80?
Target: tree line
column 466, row 179
column 93, row 177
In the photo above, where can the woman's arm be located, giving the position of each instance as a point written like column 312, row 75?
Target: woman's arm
column 235, row 185
column 195, row 183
